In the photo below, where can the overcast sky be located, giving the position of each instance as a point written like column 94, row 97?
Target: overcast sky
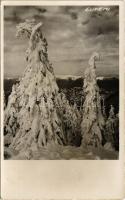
column 73, row 34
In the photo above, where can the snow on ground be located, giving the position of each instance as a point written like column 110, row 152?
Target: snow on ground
column 58, row 152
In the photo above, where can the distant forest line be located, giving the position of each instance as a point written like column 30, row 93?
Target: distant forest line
column 109, row 88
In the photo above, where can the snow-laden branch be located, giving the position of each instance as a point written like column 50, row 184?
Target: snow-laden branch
column 25, row 28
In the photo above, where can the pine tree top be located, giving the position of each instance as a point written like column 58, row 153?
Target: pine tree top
column 95, row 56
column 27, row 27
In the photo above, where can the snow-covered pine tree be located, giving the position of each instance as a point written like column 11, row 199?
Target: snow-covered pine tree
column 112, row 128
column 34, row 114
column 71, row 120
column 92, row 120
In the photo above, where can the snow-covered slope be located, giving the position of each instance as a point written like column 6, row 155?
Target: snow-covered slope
column 58, row 152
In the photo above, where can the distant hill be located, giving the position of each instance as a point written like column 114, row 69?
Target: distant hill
column 68, row 81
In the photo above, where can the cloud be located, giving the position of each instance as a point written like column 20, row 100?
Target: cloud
column 94, row 23
column 72, row 34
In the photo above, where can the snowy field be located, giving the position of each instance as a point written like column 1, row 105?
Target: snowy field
column 58, row 152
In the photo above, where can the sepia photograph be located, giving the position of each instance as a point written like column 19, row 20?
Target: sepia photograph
column 61, row 82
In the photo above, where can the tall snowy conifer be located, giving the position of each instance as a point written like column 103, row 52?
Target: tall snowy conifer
column 92, row 119
column 33, row 114
column 112, row 128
